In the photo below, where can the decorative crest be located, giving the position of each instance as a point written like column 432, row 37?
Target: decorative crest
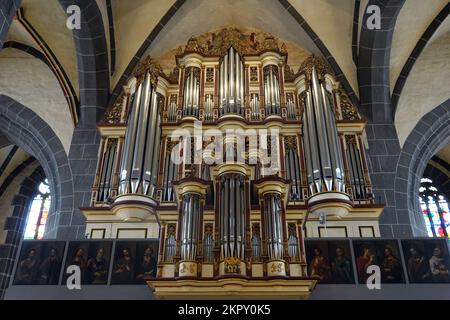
column 114, row 113
column 216, row 44
column 349, row 111
column 307, row 66
column 150, row 66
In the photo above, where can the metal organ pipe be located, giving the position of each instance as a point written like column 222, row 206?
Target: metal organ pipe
column 142, row 142
column 273, row 226
column 231, row 83
column 272, row 90
column 323, row 155
column 232, row 216
column 190, row 226
column 191, row 92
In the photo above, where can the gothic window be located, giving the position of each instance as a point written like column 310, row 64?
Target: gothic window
column 435, row 209
column 38, row 213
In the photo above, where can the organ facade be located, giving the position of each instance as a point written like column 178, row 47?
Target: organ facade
column 231, row 160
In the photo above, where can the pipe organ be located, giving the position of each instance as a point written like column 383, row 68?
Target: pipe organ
column 233, row 198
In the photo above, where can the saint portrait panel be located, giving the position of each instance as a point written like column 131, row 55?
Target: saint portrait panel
column 39, row 263
column 383, row 253
column 330, row 261
column 427, row 260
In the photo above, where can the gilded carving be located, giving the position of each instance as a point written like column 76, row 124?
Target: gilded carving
column 307, row 66
column 349, row 112
column 253, row 73
column 290, row 142
column 150, row 66
column 276, row 268
column 292, row 230
column 232, row 265
column 216, row 44
column 209, row 75
column 350, row 139
column 302, row 103
column 114, row 114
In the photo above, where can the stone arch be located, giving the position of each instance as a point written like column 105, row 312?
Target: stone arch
column 429, row 135
column 28, row 131
column 92, row 56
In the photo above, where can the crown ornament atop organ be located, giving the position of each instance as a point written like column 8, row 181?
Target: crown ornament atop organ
column 230, row 157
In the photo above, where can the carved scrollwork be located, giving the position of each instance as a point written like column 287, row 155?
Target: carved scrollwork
column 216, row 44
column 306, row 67
column 150, row 66
column 349, row 111
column 114, row 113
column 290, row 142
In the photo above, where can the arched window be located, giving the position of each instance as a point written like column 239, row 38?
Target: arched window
column 435, row 209
column 38, row 214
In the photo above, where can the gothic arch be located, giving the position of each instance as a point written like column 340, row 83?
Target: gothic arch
column 428, row 137
column 28, row 131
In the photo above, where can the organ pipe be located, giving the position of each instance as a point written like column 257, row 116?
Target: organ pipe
column 190, row 226
column 254, row 106
column 356, row 170
column 209, row 106
column 170, row 172
column 271, row 90
column 191, row 92
column 322, row 152
column 231, row 83
column 232, row 216
column 139, row 163
column 107, row 171
column 273, row 226
column 292, row 165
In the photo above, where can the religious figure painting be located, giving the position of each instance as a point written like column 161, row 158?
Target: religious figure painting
column 134, row 262
column 92, row 257
column 124, row 263
column 330, row 261
column 427, row 260
column 147, row 253
column 39, row 263
column 383, row 253
column 97, row 266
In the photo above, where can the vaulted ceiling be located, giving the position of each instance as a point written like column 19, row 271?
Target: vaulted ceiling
column 128, row 24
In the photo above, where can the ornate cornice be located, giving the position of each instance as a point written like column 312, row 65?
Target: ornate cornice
column 216, row 44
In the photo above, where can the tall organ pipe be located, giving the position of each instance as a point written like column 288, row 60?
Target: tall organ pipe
column 273, row 226
column 231, row 83
column 232, row 216
column 191, row 92
column 142, row 142
column 272, row 90
column 190, row 226
column 323, row 154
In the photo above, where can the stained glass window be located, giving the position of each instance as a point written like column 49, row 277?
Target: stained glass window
column 38, row 214
column 435, row 209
